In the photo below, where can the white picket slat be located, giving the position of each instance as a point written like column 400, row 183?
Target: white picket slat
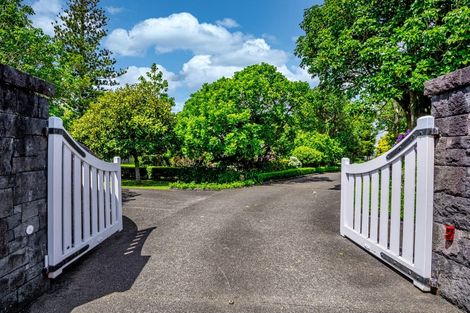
column 77, row 201
column 94, row 201
column 101, row 216
column 384, row 206
column 107, row 199
column 409, row 206
column 374, row 202
column 365, row 205
column 358, row 203
column 67, row 199
column 86, row 202
column 395, row 208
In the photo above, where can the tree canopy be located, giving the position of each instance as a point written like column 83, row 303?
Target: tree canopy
column 384, row 51
column 242, row 120
column 130, row 121
column 25, row 47
column 80, row 29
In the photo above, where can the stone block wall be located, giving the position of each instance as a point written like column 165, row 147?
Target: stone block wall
column 450, row 96
column 23, row 187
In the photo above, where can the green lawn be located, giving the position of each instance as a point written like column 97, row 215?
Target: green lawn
column 146, row 184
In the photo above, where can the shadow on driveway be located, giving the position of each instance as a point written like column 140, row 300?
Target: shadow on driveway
column 112, row 267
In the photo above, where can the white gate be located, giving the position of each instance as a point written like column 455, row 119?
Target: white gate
column 84, row 199
column 387, row 203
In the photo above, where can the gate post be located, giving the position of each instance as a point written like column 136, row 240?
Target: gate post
column 424, row 200
column 117, row 191
column 54, row 193
column 450, row 99
column 344, row 194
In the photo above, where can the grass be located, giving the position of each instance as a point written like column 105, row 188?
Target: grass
column 146, row 184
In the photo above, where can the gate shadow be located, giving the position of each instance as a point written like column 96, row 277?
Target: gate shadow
column 113, row 266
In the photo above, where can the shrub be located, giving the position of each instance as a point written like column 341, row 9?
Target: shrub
column 294, row 162
column 308, row 156
column 330, row 148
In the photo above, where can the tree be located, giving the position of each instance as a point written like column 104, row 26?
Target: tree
column 80, row 29
column 384, row 51
column 243, row 120
column 336, row 119
column 25, row 47
column 130, row 121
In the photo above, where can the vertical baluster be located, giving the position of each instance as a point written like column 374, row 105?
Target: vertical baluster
column 396, row 207
column 365, row 205
column 94, row 201
column 384, row 205
column 86, row 201
column 374, row 201
column 101, row 216
column 409, row 205
column 108, row 199
column 67, row 199
column 357, row 204
column 77, row 201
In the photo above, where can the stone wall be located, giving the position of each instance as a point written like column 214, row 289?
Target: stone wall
column 450, row 95
column 23, row 187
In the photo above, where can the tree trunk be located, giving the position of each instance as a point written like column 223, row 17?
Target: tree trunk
column 136, row 166
column 414, row 105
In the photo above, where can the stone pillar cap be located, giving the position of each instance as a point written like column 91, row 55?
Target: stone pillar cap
column 12, row 76
column 447, row 82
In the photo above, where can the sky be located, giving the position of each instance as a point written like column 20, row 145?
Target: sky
column 194, row 42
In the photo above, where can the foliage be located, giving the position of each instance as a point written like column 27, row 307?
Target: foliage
column 349, row 123
column 294, row 162
column 322, row 148
column 80, row 30
column 254, row 178
column 384, row 51
column 384, row 144
column 131, row 120
column 308, row 156
column 27, row 48
column 145, row 184
column 241, row 120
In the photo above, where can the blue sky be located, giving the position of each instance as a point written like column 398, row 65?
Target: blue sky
column 196, row 41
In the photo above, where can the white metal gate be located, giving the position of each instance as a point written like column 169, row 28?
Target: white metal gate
column 84, row 199
column 387, row 203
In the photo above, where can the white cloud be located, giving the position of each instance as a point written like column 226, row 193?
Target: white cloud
column 46, row 13
column 180, row 31
column 217, row 52
column 201, row 69
column 227, row 23
column 133, row 73
column 114, row 10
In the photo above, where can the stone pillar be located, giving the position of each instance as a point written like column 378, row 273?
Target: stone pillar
column 23, row 186
column 450, row 96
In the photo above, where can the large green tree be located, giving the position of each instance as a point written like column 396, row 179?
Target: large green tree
column 130, row 121
column 80, row 29
column 243, row 120
column 384, row 51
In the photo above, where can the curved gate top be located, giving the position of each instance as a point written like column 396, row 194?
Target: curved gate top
column 387, row 203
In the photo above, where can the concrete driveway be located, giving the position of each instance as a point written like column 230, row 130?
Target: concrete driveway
column 271, row 248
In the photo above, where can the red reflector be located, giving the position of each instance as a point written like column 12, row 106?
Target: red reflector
column 450, row 232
